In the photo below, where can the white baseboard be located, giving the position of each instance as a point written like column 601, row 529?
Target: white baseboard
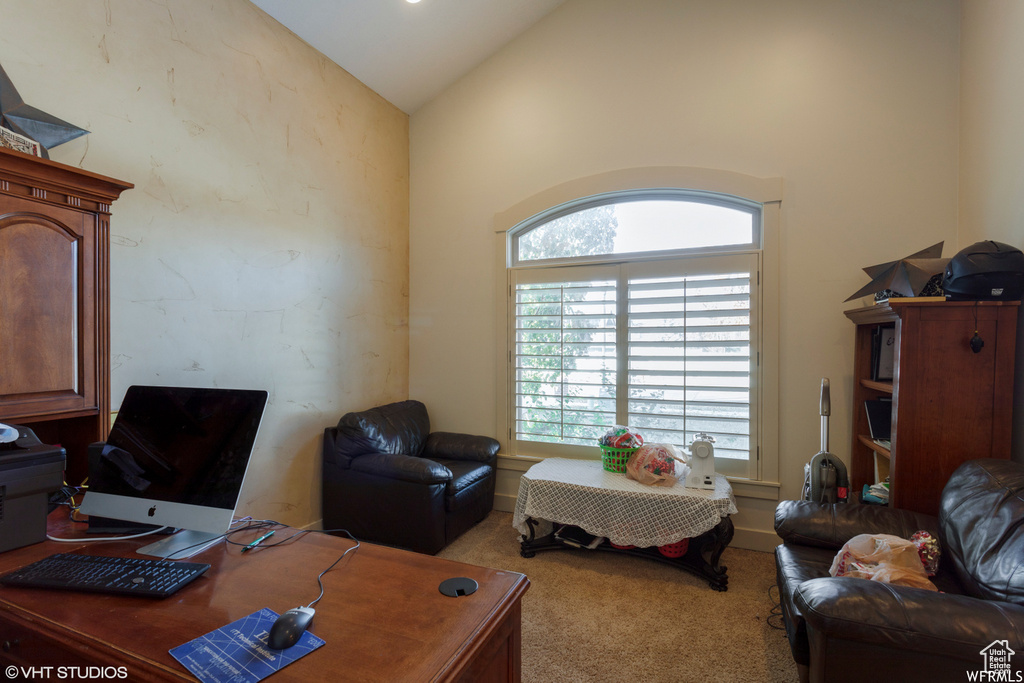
column 504, row 502
column 755, row 539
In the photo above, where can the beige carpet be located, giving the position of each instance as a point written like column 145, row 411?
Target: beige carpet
column 598, row 616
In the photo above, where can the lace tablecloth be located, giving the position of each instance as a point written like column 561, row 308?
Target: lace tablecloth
column 582, row 493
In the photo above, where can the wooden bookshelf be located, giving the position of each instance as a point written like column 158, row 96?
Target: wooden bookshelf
column 949, row 404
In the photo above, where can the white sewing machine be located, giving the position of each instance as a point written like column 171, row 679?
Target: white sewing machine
column 702, row 462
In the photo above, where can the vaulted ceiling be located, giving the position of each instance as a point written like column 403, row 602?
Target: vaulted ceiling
column 407, row 52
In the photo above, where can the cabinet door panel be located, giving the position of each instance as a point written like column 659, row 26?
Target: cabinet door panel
column 47, row 292
column 944, row 400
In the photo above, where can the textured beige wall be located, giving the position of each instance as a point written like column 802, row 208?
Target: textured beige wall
column 852, row 104
column 992, row 144
column 265, row 244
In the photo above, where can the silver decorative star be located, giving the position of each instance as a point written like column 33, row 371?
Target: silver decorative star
column 15, row 115
column 907, row 276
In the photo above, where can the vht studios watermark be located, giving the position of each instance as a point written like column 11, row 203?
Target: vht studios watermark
column 65, row 673
column 997, row 665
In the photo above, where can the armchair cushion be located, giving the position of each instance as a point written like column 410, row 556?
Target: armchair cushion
column 464, row 473
column 394, row 428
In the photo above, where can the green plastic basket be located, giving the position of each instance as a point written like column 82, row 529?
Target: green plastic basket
column 615, row 459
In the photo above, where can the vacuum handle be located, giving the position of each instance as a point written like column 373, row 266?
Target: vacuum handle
column 826, row 410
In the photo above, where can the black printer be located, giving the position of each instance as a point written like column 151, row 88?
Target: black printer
column 29, row 472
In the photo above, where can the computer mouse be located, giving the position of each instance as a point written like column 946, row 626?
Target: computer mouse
column 289, row 627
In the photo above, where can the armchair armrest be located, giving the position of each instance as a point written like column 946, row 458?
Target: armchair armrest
column 330, row 449
column 906, row 621
column 829, row 526
column 403, row 468
column 448, row 445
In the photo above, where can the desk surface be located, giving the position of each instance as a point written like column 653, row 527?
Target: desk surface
column 382, row 614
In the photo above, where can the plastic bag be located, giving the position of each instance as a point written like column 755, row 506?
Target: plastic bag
column 928, row 549
column 621, row 437
column 655, row 464
column 884, row 558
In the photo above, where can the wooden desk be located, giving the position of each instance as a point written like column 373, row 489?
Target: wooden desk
column 382, row 614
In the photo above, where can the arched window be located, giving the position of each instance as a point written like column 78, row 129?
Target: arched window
column 637, row 308
column 638, row 223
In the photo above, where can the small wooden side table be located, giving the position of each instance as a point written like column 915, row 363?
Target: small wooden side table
column 632, row 518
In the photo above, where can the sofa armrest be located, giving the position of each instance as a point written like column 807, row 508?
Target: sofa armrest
column 831, row 525
column 403, row 468
column 451, row 446
column 906, row 621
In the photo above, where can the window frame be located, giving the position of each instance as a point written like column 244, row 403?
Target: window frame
column 623, row 273
column 706, row 185
column 623, row 196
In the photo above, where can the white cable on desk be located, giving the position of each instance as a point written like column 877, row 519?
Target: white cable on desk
column 122, row 538
column 105, row 538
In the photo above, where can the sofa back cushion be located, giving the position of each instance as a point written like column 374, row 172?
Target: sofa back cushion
column 397, row 428
column 981, row 524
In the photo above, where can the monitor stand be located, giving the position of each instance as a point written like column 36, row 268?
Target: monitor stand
column 181, row 545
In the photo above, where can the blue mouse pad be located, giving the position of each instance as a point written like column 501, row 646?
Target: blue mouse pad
column 238, row 652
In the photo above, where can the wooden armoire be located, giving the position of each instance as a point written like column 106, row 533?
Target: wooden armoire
column 55, row 302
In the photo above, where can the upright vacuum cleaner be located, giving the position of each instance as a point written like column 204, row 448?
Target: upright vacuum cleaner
column 825, row 478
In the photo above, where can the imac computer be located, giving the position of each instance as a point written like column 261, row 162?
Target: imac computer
column 175, row 457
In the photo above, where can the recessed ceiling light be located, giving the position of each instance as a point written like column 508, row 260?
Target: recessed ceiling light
column 412, row 2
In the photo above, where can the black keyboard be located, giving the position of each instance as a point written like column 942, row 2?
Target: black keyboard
column 99, row 574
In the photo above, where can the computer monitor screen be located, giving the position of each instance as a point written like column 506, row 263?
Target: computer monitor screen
column 175, row 457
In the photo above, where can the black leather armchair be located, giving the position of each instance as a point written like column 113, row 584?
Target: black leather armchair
column 388, row 479
column 847, row 629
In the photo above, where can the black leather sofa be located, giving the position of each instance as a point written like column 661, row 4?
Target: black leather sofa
column 847, row 629
column 388, row 479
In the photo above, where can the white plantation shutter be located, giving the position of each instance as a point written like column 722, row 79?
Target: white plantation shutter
column 564, row 356
column 666, row 346
column 691, row 359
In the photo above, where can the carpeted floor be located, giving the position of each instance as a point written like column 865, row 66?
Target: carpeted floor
column 596, row 616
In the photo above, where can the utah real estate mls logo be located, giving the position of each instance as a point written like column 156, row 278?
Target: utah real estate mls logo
column 997, row 666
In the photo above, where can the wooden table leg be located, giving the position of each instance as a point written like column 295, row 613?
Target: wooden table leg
column 702, row 558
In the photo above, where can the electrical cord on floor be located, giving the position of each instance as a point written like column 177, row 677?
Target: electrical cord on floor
column 775, row 614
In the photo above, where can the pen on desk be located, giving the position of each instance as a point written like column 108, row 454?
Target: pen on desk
column 258, row 541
